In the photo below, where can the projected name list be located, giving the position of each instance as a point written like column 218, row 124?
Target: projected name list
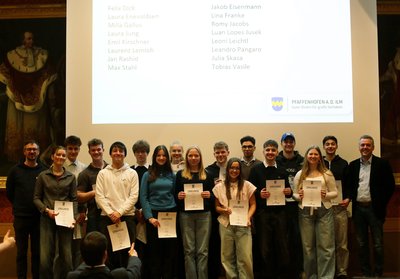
column 125, row 40
column 234, row 36
column 179, row 53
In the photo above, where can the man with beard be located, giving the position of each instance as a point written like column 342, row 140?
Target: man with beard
column 20, row 186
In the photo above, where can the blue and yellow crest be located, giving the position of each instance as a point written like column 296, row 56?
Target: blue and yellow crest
column 277, row 103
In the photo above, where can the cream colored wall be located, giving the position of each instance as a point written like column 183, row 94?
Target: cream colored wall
column 366, row 99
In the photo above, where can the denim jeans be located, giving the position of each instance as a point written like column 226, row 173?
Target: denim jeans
column 27, row 228
column 342, row 252
column 196, row 230
column 317, row 234
column 49, row 233
column 236, row 251
column 363, row 218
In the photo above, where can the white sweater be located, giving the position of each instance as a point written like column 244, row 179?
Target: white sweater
column 117, row 190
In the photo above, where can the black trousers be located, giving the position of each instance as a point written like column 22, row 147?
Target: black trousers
column 27, row 228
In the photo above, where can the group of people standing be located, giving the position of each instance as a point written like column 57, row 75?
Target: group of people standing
column 242, row 222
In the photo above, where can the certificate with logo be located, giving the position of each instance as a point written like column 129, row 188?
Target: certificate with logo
column 312, row 193
column 65, row 210
column 240, row 209
column 119, row 236
column 339, row 197
column 193, row 199
column 167, row 228
column 275, row 188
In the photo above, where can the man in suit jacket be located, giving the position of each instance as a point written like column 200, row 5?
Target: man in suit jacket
column 371, row 183
column 94, row 254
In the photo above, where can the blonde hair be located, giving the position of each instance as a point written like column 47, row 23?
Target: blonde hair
column 186, row 170
column 305, row 171
column 177, row 143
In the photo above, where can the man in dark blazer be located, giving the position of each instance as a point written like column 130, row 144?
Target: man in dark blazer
column 371, row 183
column 94, row 254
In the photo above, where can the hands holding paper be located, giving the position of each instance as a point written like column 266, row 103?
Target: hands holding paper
column 226, row 211
column 264, row 194
column 115, row 217
column 345, row 203
column 181, row 195
column 205, row 194
column 154, row 222
column 51, row 213
column 301, row 194
column 323, row 194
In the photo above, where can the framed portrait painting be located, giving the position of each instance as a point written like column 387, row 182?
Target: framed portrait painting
column 32, row 78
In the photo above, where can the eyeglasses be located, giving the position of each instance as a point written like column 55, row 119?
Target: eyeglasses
column 31, row 149
column 247, row 146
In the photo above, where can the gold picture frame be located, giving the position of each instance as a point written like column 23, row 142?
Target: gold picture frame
column 30, row 10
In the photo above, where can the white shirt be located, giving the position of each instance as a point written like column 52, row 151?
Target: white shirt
column 363, row 191
column 220, row 193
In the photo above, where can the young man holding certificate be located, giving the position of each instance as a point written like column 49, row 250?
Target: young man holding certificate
column 337, row 166
column 270, row 219
column 236, row 204
column 117, row 190
column 315, row 187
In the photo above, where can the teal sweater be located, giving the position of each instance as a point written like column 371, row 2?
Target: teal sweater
column 157, row 195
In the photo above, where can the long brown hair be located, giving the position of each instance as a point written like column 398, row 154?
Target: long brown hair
column 228, row 181
column 156, row 170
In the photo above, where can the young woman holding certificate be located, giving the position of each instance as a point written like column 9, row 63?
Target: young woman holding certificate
column 314, row 188
column 55, row 185
column 157, row 196
column 236, row 204
column 193, row 188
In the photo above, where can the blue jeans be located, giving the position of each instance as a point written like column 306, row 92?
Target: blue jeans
column 342, row 252
column 196, row 230
column 236, row 251
column 363, row 218
column 318, row 236
column 49, row 233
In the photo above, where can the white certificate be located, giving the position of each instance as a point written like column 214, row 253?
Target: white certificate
column 275, row 188
column 65, row 210
column 240, row 210
column 339, row 197
column 119, row 236
column 193, row 199
column 312, row 193
column 167, row 228
column 141, row 232
column 78, row 231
